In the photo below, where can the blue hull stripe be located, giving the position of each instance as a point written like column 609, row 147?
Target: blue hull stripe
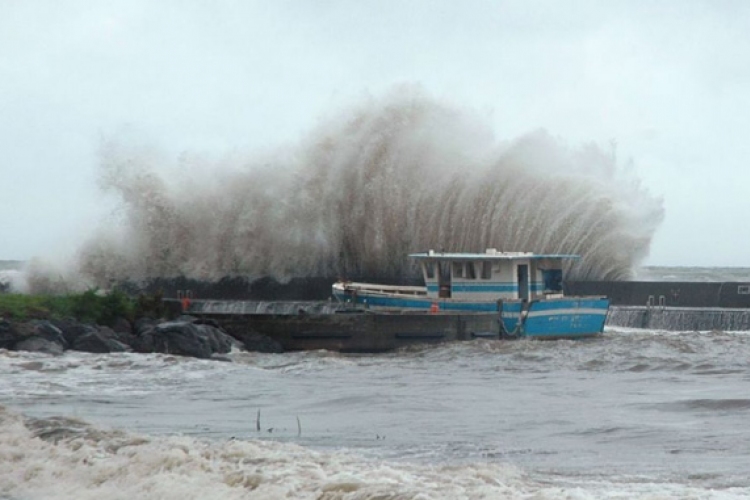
column 565, row 317
column 486, row 287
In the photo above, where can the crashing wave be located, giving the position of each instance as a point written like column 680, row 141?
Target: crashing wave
column 395, row 175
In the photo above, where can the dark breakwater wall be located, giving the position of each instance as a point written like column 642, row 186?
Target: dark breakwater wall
column 252, row 289
column 250, row 307
column 237, row 288
column 679, row 318
column 666, row 293
column 298, row 325
column 670, row 305
column 620, row 293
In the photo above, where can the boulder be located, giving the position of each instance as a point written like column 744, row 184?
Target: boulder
column 207, row 321
column 101, row 340
column 252, row 340
column 186, row 337
column 144, row 335
column 42, row 329
column 39, row 344
column 122, row 326
column 72, row 329
column 220, row 342
column 144, row 343
column 124, row 337
column 182, row 338
column 8, row 335
column 144, row 324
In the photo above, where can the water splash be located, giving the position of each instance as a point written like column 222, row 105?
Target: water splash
column 394, row 175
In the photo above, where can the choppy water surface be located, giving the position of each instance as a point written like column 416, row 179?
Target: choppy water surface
column 633, row 413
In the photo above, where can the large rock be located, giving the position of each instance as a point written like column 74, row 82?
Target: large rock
column 123, row 336
column 186, row 337
column 39, row 344
column 220, row 342
column 252, row 340
column 143, row 325
column 122, row 326
column 8, row 335
column 72, row 329
column 42, row 329
column 99, row 340
column 183, row 338
column 144, row 335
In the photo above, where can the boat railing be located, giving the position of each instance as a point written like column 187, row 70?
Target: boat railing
column 383, row 289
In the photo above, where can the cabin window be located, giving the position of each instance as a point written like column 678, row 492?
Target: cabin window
column 743, row 290
column 552, row 280
column 470, row 271
column 444, row 272
column 458, row 269
column 429, row 270
column 486, row 270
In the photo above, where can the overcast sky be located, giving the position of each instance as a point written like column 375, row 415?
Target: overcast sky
column 669, row 81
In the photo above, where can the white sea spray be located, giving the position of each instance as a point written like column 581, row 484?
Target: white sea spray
column 395, row 174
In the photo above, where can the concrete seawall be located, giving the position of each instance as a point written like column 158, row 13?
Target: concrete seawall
column 679, row 318
column 361, row 332
column 703, row 295
column 336, row 327
column 248, row 307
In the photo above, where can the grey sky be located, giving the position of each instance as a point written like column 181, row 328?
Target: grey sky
column 668, row 81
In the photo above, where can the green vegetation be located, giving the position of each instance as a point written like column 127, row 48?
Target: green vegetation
column 90, row 306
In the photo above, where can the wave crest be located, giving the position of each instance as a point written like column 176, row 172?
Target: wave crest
column 395, row 175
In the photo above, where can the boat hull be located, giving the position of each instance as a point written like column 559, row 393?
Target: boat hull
column 564, row 317
column 557, row 318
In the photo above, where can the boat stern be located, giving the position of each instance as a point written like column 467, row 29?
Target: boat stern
column 569, row 317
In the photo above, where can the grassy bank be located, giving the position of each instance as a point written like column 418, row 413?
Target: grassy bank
column 90, row 306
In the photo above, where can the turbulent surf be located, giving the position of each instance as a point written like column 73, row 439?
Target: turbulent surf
column 632, row 414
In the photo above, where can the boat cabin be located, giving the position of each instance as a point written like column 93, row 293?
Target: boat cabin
column 492, row 275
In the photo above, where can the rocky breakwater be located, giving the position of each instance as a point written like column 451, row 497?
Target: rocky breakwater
column 183, row 336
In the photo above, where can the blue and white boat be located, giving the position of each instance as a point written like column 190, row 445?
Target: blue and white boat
column 526, row 289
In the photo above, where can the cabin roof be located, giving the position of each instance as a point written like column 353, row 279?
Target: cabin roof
column 490, row 254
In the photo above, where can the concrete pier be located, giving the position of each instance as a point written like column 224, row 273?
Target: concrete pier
column 302, row 325
column 679, row 318
column 702, row 295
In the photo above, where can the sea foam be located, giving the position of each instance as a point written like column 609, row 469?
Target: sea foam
column 67, row 458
